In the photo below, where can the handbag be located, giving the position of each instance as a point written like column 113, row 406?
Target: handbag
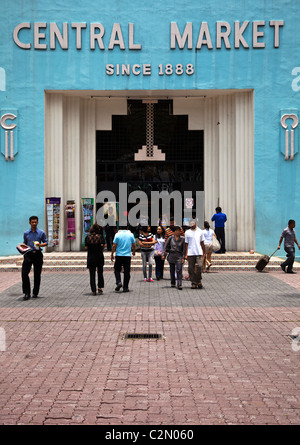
column 216, row 244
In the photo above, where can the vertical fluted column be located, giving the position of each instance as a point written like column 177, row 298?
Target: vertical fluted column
column 227, row 178
column 245, row 171
column 87, row 149
column 71, row 161
column 211, row 156
column 54, row 159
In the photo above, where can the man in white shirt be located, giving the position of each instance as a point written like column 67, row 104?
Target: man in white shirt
column 195, row 249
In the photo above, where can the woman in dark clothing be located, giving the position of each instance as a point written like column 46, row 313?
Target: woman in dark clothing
column 159, row 248
column 94, row 243
column 175, row 247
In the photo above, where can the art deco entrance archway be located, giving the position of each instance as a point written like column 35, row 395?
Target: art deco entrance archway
column 226, row 118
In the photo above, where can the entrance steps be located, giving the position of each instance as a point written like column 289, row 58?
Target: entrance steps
column 76, row 261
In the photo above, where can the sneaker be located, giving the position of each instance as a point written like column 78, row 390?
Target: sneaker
column 118, row 287
column 179, row 287
column 145, row 279
column 200, row 286
column 150, row 279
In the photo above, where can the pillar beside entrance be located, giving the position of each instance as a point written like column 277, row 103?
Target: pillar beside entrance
column 70, row 160
column 229, row 166
column 54, row 159
column 228, row 124
column 244, row 146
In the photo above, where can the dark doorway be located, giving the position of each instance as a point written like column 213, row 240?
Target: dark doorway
column 182, row 169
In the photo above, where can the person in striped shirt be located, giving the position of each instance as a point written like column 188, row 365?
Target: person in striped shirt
column 171, row 230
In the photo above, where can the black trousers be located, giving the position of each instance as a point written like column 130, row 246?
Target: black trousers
column 220, row 234
column 176, row 268
column 35, row 259
column 159, row 266
column 122, row 261
column 99, row 270
column 109, row 236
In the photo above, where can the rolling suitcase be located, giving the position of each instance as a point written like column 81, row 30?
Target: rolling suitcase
column 262, row 262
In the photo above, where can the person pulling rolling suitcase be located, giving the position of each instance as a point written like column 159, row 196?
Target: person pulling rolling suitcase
column 262, row 262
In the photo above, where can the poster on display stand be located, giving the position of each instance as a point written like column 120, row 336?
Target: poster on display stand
column 111, row 210
column 70, row 216
column 88, row 217
column 53, row 220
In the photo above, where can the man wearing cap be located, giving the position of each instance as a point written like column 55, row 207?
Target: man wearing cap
column 195, row 249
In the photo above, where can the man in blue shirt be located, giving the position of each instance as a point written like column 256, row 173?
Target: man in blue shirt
column 35, row 239
column 123, row 243
column 220, row 218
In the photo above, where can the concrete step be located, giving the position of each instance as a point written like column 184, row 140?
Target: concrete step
column 76, row 261
column 62, row 268
column 138, row 267
column 64, row 258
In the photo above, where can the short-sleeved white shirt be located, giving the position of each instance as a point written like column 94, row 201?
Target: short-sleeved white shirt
column 208, row 235
column 193, row 238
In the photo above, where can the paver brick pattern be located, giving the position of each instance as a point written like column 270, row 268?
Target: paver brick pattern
column 226, row 356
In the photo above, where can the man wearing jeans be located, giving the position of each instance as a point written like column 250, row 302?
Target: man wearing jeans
column 289, row 246
column 123, row 243
column 195, row 249
column 175, row 247
column 146, row 241
column 35, row 239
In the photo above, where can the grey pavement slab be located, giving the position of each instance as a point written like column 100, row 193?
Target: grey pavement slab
column 219, row 289
column 226, row 355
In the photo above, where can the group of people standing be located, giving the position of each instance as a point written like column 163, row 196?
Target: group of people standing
column 172, row 243
column 169, row 243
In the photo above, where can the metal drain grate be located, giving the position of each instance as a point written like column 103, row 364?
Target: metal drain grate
column 142, row 336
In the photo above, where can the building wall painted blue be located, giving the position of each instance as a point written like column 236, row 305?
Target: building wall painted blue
column 26, row 73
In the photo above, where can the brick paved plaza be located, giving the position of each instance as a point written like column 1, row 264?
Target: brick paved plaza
column 225, row 358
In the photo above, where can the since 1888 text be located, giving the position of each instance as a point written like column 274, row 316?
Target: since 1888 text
column 168, row 69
